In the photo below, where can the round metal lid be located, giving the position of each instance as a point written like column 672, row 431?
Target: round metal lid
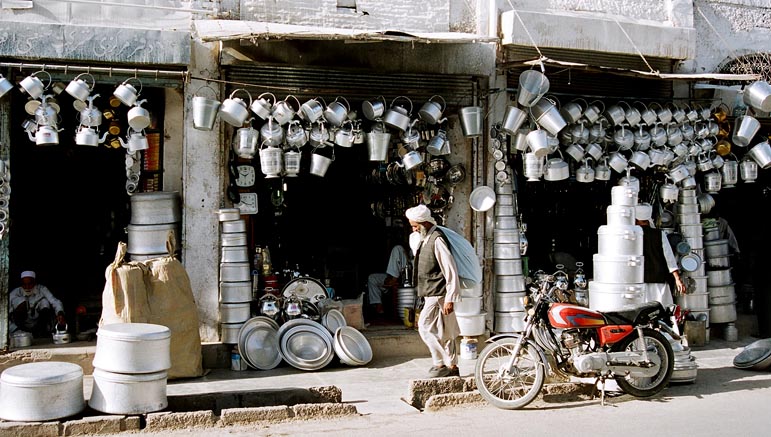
column 134, row 331
column 304, row 288
column 261, row 347
column 41, row 373
column 305, row 344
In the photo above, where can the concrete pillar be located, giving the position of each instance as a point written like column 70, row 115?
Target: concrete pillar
column 203, row 182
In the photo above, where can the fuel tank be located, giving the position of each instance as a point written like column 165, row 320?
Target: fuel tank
column 564, row 315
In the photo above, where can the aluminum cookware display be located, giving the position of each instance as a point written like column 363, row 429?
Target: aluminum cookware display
column 468, row 306
column 758, row 96
column 398, row 117
column 234, row 254
column 693, row 300
column 352, row 347
column 431, row 111
column 205, row 110
column 227, row 214
column 719, row 277
column 79, row 88
column 510, row 302
column 612, row 297
column 283, row 111
column 505, row 236
column 305, row 344
column 619, row 215
column 41, row 391
column 546, row 115
column 119, row 393
column 336, row 111
column 374, row 109
column 235, row 272
column 234, row 226
column 745, row 128
column 723, row 313
column 754, row 356
column 510, row 283
column 506, row 251
column 258, row 343
column 234, row 110
column 761, row 153
column 722, row 294
column 229, row 332
column 507, row 267
column 623, row 195
column 532, row 86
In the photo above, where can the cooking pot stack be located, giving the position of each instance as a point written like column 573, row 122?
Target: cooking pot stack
column 153, row 215
column 130, row 368
column 510, row 288
column 722, row 293
column 688, row 220
column 618, row 265
column 235, row 276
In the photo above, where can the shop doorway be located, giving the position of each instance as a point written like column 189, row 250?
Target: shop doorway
column 69, row 206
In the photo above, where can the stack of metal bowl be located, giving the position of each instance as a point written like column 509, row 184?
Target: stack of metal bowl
column 510, row 286
column 258, row 343
column 235, row 276
column 618, row 265
column 306, row 344
column 722, row 292
column 153, row 216
column 685, row 368
column 688, row 220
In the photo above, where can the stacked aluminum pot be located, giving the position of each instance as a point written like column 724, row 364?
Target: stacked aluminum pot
column 722, row 293
column 510, row 286
column 153, row 216
column 235, row 275
column 688, row 220
column 405, row 301
column 618, row 265
column 130, row 368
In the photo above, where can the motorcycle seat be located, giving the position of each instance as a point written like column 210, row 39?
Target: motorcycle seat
column 628, row 316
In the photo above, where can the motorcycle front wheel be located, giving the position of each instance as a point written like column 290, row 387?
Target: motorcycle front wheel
column 509, row 388
column 643, row 387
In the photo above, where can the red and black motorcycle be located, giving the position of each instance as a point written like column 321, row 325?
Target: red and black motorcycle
column 571, row 340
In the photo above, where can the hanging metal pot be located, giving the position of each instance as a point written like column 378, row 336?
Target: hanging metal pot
column 312, row 110
column 234, row 111
column 283, row 112
column 730, row 172
column 374, row 109
column 748, row 170
column 263, row 107
column 585, row 173
column 245, row 144
column 271, row 160
column 79, row 88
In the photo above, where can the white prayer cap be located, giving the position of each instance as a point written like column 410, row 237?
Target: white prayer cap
column 28, row 274
column 643, row 211
column 420, row 214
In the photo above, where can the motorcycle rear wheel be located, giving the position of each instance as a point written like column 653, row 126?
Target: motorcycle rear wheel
column 511, row 389
column 643, row 387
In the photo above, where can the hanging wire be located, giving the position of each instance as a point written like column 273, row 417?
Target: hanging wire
column 652, row 70
column 532, row 40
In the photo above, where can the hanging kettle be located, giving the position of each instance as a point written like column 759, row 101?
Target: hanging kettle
column 398, row 117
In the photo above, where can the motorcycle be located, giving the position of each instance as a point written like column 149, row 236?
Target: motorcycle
column 571, row 340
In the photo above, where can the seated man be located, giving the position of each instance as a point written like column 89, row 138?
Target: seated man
column 34, row 308
column 377, row 283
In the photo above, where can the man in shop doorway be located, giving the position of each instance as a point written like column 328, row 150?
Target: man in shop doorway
column 659, row 260
column 436, row 279
column 379, row 283
column 34, row 308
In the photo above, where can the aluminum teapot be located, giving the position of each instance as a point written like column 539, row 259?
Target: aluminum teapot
column 283, row 112
column 602, row 171
column 585, row 173
column 344, row 136
column 374, row 109
column 647, row 115
column 262, row 106
column 79, row 88
column 87, row 136
column 45, row 136
column 136, row 141
column 336, row 112
column 271, row 132
column 91, row 116
column 127, row 93
column 139, row 117
column 269, row 306
column 556, row 169
column 312, row 110
column 431, row 111
column 669, row 192
column 398, row 117
column 296, row 136
column 435, row 144
column 234, row 111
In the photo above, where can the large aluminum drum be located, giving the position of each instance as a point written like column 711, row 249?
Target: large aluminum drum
column 716, row 278
column 619, row 240
column 716, row 248
column 510, row 283
column 623, row 195
column 621, row 269
column 235, row 312
column 468, row 306
column 235, row 272
column 723, row 313
column 37, row 392
column 692, row 300
column 611, row 297
column 121, row 393
column 505, row 236
column 234, row 254
column 471, row 325
column 150, row 239
column 698, row 284
column 506, row 251
column 507, row 266
column 510, row 302
column 468, row 289
column 723, row 295
column 620, row 215
column 133, row 348
column 510, row 322
column 229, row 332
column 233, row 292
column 155, row 208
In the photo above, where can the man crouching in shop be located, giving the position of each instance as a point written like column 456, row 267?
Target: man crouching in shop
column 436, row 279
column 34, row 308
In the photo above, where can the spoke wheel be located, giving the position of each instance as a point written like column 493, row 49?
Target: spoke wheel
column 658, row 345
column 512, row 388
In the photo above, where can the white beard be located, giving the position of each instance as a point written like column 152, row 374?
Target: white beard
column 423, row 232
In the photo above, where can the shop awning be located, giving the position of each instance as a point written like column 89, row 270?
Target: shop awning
column 638, row 73
column 225, row 30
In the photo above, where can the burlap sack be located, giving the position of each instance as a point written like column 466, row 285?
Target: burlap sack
column 156, row 291
column 124, row 299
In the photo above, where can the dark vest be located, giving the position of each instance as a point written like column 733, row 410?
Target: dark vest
column 428, row 276
column 656, row 270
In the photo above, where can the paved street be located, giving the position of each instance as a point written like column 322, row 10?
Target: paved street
column 723, row 401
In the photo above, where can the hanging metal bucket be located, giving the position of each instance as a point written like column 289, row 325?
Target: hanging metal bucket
column 292, row 163
column 745, row 127
column 270, row 161
column 377, row 144
column 761, row 153
column 320, row 163
column 532, row 86
column 758, row 96
column 730, row 172
column 748, row 170
column 471, row 121
column 205, row 110
column 513, row 120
